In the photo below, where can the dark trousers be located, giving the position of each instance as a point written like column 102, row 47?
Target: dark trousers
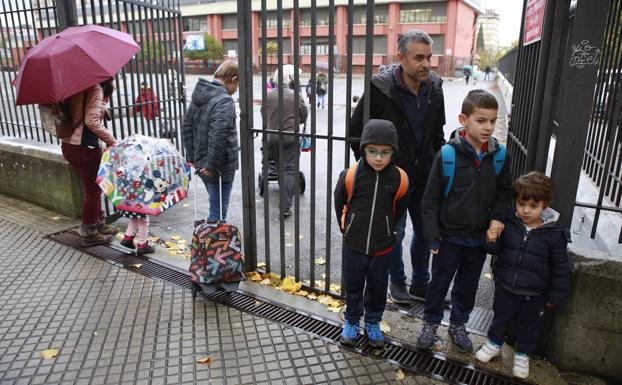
column 86, row 161
column 291, row 153
column 529, row 311
column 366, row 279
column 419, row 250
column 465, row 263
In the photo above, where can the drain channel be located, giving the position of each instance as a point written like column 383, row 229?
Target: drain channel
column 397, row 352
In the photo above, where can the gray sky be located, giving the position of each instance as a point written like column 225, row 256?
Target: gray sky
column 510, row 12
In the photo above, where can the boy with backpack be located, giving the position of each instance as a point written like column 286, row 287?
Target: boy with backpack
column 369, row 197
column 531, row 271
column 469, row 191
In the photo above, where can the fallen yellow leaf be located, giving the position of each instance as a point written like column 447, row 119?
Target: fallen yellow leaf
column 55, row 218
column 49, row 353
column 324, row 299
column 186, row 205
column 261, row 265
column 303, row 293
column 385, row 327
column 175, row 237
column 265, row 281
column 154, row 239
column 136, row 265
column 334, row 303
column 334, row 287
column 253, row 276
column 488, row 276
column 334, row 309
column 312, row 296
column 320, row 283
column 290, row 285
column 399, row 375
column 119, row 235
column 323, row 275
column 206, row 360
column 320, row 261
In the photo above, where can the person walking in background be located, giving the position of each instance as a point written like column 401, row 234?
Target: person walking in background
column 147, row 103
column 467, row 73
column 531, row 270
column 309, row 90
column 411, row 96
column 210, row 136
column 83, row 152
column 291, row 147
column 321, row 89
column 457, row 212
column 367, row 219
column 487, row 72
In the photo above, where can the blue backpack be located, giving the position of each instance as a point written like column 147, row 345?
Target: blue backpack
column 448, row 157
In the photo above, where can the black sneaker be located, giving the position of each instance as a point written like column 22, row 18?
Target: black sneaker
column 129, row 243
column 398, row 294
column 417, row 293
column 144, row 249
column 461, row 338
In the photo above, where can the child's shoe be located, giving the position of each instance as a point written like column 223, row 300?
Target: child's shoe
column 488, row 351
column 521, row 365
column 461, row 338
column 128, row 242
column 349, row 334
column 144, row 248
column 374, row 335
column 427, row 335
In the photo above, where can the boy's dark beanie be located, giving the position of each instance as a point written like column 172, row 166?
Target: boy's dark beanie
column 379, row 131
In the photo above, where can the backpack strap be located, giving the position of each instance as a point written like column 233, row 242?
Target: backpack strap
column 498, row 159
column 448, row 157
column 349, row 185
column 402, row 189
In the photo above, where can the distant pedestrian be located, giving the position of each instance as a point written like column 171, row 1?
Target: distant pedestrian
column 269, row 84
column 367, row 217
column 467, row 73
column 147, row 102
column 531, row 270
column 83, row 152
column 272, row 83
column 321, row 88
column 210, row 136
column 309, row 90
column 487, row 72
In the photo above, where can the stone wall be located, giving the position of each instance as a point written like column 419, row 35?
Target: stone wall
column 37, row 173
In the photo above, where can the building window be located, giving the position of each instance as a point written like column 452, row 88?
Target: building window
column 321, row 43
column 272, row 20
column 229, row 45
column 380, row 45
column 230, row 21
column 322, row 17
column 423, row 13
column 195, row 23
column 380, row 14
column 438, row 47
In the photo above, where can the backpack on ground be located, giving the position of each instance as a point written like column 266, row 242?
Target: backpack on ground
column 56, row 119
column 448, row 157
column 350, row 182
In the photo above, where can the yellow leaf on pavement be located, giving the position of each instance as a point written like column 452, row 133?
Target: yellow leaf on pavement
column 334, row 303
column 136, row 265
column 320, row 283
column 385, row 327
column 303, row 293
column 49, row 353
column 334, row 309
column 399, row 375
column 206, row 360
column 312, row 296
column 186, row 205
column 154, row 239
column 320, row 261
column 290, row 285
column 266, row 282
column 324, row 299
column 261, row 265
column 334, row 287
column 175, row 237
column 253, row 276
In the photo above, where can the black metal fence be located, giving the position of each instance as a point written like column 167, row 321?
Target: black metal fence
column 507, row 65
column 150, row 95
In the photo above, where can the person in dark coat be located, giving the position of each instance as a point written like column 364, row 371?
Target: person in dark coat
column 411, row 96
column 456, row 220
column 368, row 229
column 531, row 270
column 210, row 136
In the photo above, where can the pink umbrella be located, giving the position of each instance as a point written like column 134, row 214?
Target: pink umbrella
column 72, row 61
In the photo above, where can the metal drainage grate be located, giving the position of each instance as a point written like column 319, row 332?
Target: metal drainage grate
column 396, row 352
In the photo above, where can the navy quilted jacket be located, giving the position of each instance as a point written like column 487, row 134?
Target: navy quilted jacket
column 534, row 263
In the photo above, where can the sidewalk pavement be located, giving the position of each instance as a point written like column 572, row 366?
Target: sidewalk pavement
column 108, row 325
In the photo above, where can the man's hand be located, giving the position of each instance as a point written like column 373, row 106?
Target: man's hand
column 205, row 171
column 492, row 235
column 496, row 225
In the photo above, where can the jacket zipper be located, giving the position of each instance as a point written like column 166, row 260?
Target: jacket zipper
column 350, row 224
column 388, row 227
column 371, row 218
column 520, row 256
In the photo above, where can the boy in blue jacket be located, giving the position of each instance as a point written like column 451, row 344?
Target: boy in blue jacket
column 457, row 210
column 369, row 197
column 532, row 269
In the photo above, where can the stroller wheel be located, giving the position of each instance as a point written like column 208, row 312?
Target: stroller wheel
column 303, row 183
column 260, row 185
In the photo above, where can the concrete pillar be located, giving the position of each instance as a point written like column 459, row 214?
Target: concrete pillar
column 256, row 32
column 394, row 28
column 341, row 32
column 452, row 26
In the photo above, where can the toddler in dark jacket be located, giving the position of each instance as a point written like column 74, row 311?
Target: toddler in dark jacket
column 369, row 197
column 531, row 269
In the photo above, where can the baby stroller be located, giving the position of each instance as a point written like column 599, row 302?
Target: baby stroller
column 273, row 177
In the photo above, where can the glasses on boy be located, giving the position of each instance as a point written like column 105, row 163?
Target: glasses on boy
column 374, row 153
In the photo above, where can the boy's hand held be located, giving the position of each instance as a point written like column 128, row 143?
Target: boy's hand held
column 496, row 225
column 492, row 235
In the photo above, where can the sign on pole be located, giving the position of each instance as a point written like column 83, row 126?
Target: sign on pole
column 534, row 17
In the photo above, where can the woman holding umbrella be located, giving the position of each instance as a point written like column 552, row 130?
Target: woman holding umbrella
column 83, row 152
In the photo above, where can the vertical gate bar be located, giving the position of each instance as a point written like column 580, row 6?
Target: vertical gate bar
column 181, row 72
column 93, row 14
column 369, row 57
column 346, row 150
column 32, row 110
column 264, row 136
column 296, row 45
column 136, row 73
column 19, row 111
column 149, row 40
column 540, row 80
column 280, row 85
column 120, row 77
column 129, row 102
column 574, row 115
column 313, row 139
column 144, row 46
column 8, row 88
column 173, row 86
column 329, row 153
column 245, row 35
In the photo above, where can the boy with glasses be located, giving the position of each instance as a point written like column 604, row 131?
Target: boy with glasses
column 369, row 197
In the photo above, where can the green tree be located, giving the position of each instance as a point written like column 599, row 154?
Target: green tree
column 213, row 50
column 480, row 39
column 150, row 51
column 272, row 48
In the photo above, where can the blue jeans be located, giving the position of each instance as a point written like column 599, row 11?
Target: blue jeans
column 321, row 100
column 366, row 281
column 466, row 264
column 213, row 191
column 419, row 249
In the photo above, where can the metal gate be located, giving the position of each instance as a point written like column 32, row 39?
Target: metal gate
column 568, row 88
column 306, row 244
column 156, row 27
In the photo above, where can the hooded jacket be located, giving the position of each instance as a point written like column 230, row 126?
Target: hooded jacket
column 477, row 194
column 535, row 262
column 209, row 131
column 387, row 103
column 370, row 220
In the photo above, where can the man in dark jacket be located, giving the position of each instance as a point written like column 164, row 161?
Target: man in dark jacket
column 410, row 96
column 291, row 148
column 210, row 135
